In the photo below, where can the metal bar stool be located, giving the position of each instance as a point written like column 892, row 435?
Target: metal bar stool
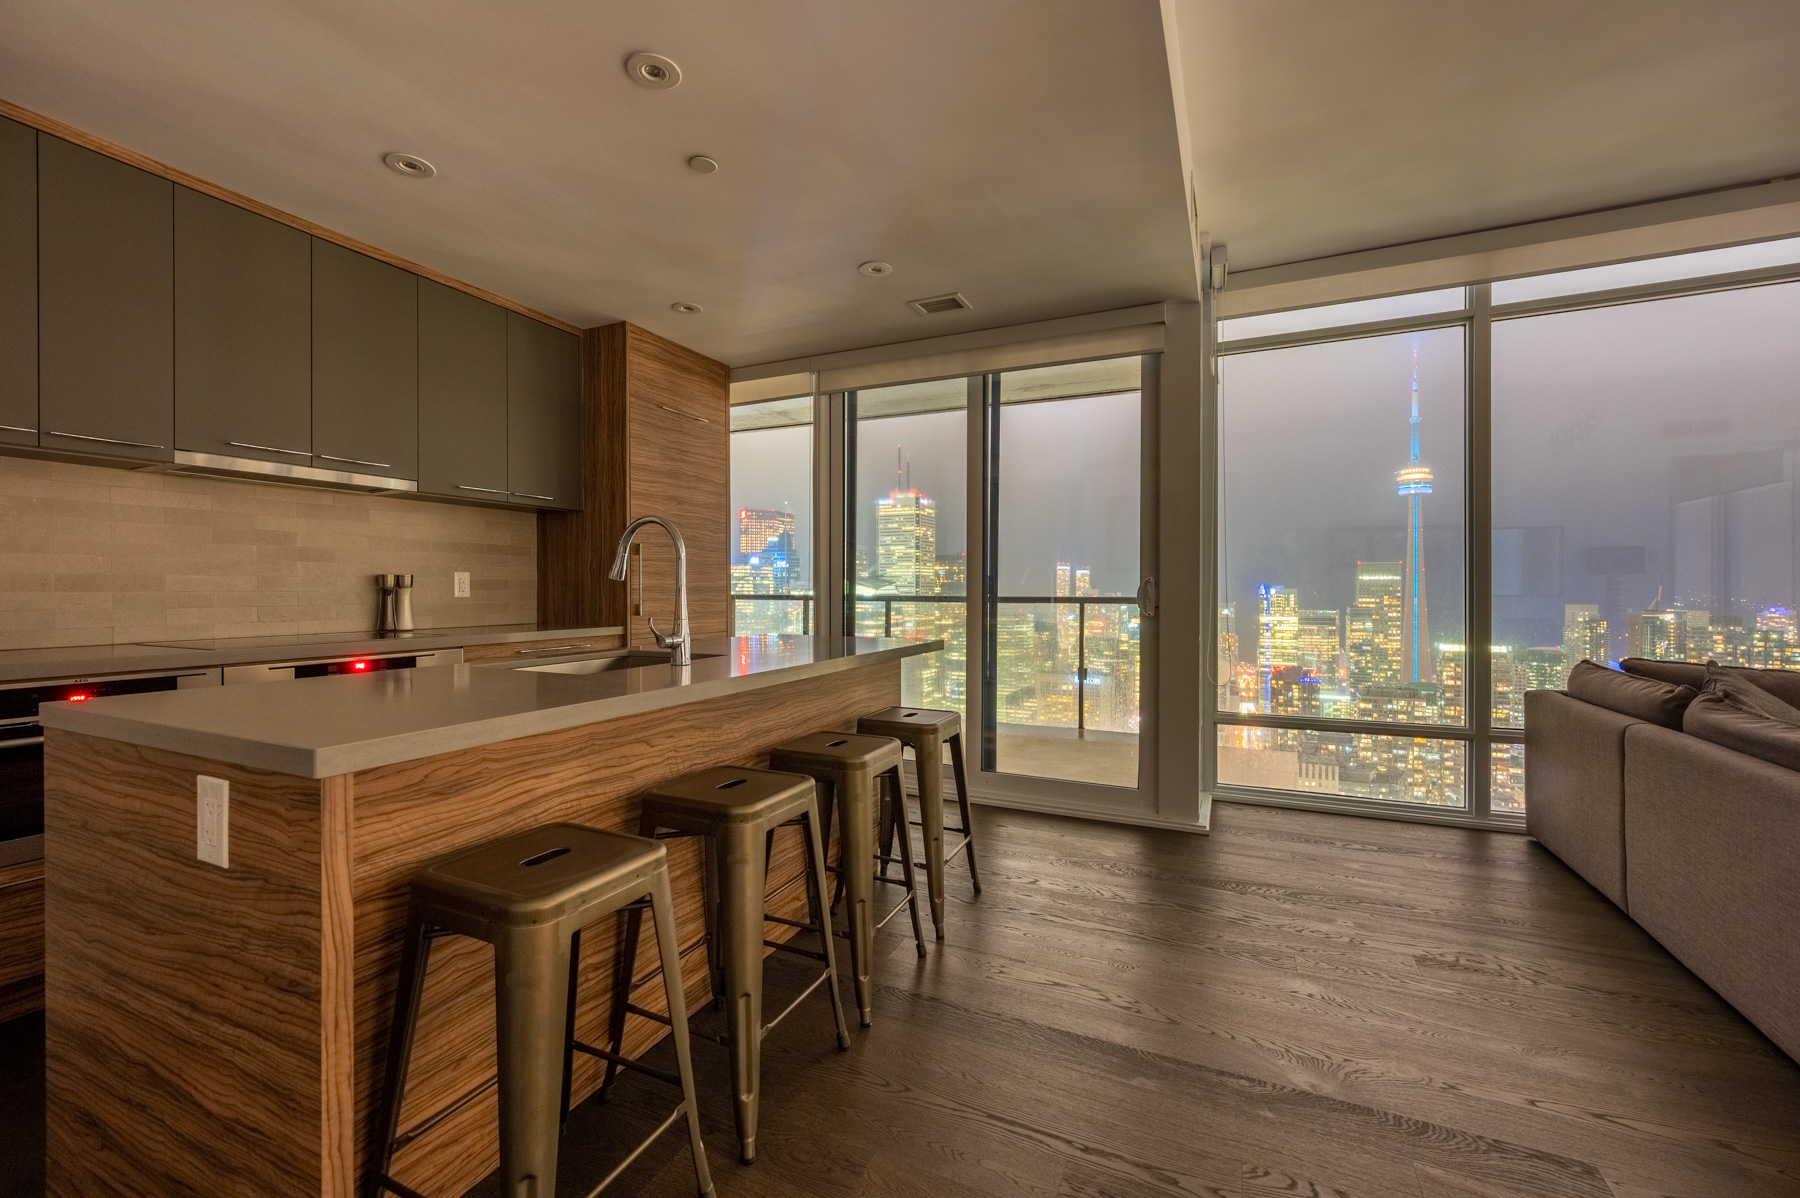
column 925, row 732
column 849, row 770
column 737, row 811
column 529, row 896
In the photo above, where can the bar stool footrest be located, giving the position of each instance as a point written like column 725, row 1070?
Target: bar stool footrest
column 625, row 1062
column 798, row 999
column 442, row 1113
column 386, row 1184
column 644, row 1013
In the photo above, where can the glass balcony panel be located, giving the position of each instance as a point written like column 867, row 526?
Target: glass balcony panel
column 1389, row 769
column 1041, row 704
column 770, row 536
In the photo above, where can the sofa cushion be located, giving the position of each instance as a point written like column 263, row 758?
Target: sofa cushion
column 1783, row 684
column 1716, row 718
column 1737, row 689
column 1634, row 695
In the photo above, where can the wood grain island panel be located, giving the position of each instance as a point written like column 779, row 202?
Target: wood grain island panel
column 222, row 1031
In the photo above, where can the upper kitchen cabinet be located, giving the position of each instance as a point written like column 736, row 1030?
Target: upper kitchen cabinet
column 18, row 285
column 543, row 396
column 365, row 364
column 106, row 305
column 243, row 332
column 462, row 395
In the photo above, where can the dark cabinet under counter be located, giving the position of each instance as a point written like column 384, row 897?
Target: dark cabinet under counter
column 243, row 333
column 365, row 364
column 106, row 305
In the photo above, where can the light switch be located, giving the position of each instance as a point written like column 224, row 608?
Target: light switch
column 212, row 820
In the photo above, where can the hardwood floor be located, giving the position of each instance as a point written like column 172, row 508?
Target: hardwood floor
column 1299, row 1004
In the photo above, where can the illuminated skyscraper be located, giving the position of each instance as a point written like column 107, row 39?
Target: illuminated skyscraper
column 1415, row 484
column 1318, row 642
column 1373, row 640
column 906, row 542
column 1278, row 626
column 759, row 528
column 1065, row 578
column 1584, row 636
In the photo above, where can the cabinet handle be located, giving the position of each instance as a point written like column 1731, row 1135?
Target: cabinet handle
column 702, row 419
column 354, row 461
column 107, row 440
column 549, row 649
column 17, row 428
column 529, row 495
column 299, row 453
column 484, row 490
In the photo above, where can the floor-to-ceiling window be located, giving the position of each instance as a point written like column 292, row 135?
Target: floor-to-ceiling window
column 907, row 515
column 1639, row 423
column 771, row 534
column 1067, row 635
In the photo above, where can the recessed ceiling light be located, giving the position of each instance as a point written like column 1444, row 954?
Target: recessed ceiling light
column 876, row 269
column 702, row 164
column 652, row 71
column 410, row 165
column 685, row 309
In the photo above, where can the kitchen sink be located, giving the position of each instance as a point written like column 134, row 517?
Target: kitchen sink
column 635, row 659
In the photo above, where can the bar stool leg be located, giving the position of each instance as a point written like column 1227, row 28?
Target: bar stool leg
column 623, row 969
column 928, row 758
column 821, row 914
column 895, row 820
column 856, row 847
column 962, row 797
column 741, row 872
column 663, row 915
column 531, row 975
column 568, row 1079
column 415, row 954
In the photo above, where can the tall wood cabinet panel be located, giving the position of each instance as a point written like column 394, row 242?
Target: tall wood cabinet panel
column 365, row 364
column 243, row 333
column 656, row 431
column 543, row 371
column 462, row 394
column 106, row 305
column 18, row 284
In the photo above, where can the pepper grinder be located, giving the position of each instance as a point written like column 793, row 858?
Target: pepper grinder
column 403, row 617
column 387, row 604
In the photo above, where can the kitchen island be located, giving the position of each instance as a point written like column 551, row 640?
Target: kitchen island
column 222, row 1030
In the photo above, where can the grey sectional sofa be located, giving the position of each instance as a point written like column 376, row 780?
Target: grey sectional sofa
column 1699, row 844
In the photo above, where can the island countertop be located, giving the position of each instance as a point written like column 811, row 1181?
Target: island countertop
column 322, row 727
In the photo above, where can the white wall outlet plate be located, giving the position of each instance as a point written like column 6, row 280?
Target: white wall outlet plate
column 212, row 820
column 461, row 590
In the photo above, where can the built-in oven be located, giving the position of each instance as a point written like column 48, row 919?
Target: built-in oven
column 22, row 744
column 323, row 667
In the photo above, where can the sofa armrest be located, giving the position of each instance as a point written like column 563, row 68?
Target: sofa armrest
column 1575, row 786
column 1713, row 837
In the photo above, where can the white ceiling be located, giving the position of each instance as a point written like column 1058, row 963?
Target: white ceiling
column 1020, row 151
column 1317, row 127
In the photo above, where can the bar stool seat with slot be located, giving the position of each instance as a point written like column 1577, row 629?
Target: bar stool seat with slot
column 737, row 810
column 850, row 769
column 925, row 732
column 530, row 895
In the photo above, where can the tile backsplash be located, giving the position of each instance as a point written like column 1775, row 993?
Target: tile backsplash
column 91, row 555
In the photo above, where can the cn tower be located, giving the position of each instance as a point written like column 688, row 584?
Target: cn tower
column 1415, row 484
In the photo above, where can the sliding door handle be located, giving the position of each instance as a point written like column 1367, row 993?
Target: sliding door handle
column 1146, row 598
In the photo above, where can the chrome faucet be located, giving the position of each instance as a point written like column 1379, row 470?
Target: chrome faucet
column 677, row 640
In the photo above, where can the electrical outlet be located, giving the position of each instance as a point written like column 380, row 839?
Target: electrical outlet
column 212, row 820
column 462, row 584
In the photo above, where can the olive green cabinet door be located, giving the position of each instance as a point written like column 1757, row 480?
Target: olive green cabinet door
column 462, row 394
column 243, row 333
column 18, row 285
column 543, row 397
column 365, row 364
column 106, row 305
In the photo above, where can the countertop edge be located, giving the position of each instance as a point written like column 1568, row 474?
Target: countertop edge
column 419, row 745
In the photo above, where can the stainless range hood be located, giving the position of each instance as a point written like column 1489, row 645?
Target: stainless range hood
column 213, row 465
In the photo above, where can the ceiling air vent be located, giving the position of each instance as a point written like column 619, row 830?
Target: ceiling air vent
column 954, row 302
